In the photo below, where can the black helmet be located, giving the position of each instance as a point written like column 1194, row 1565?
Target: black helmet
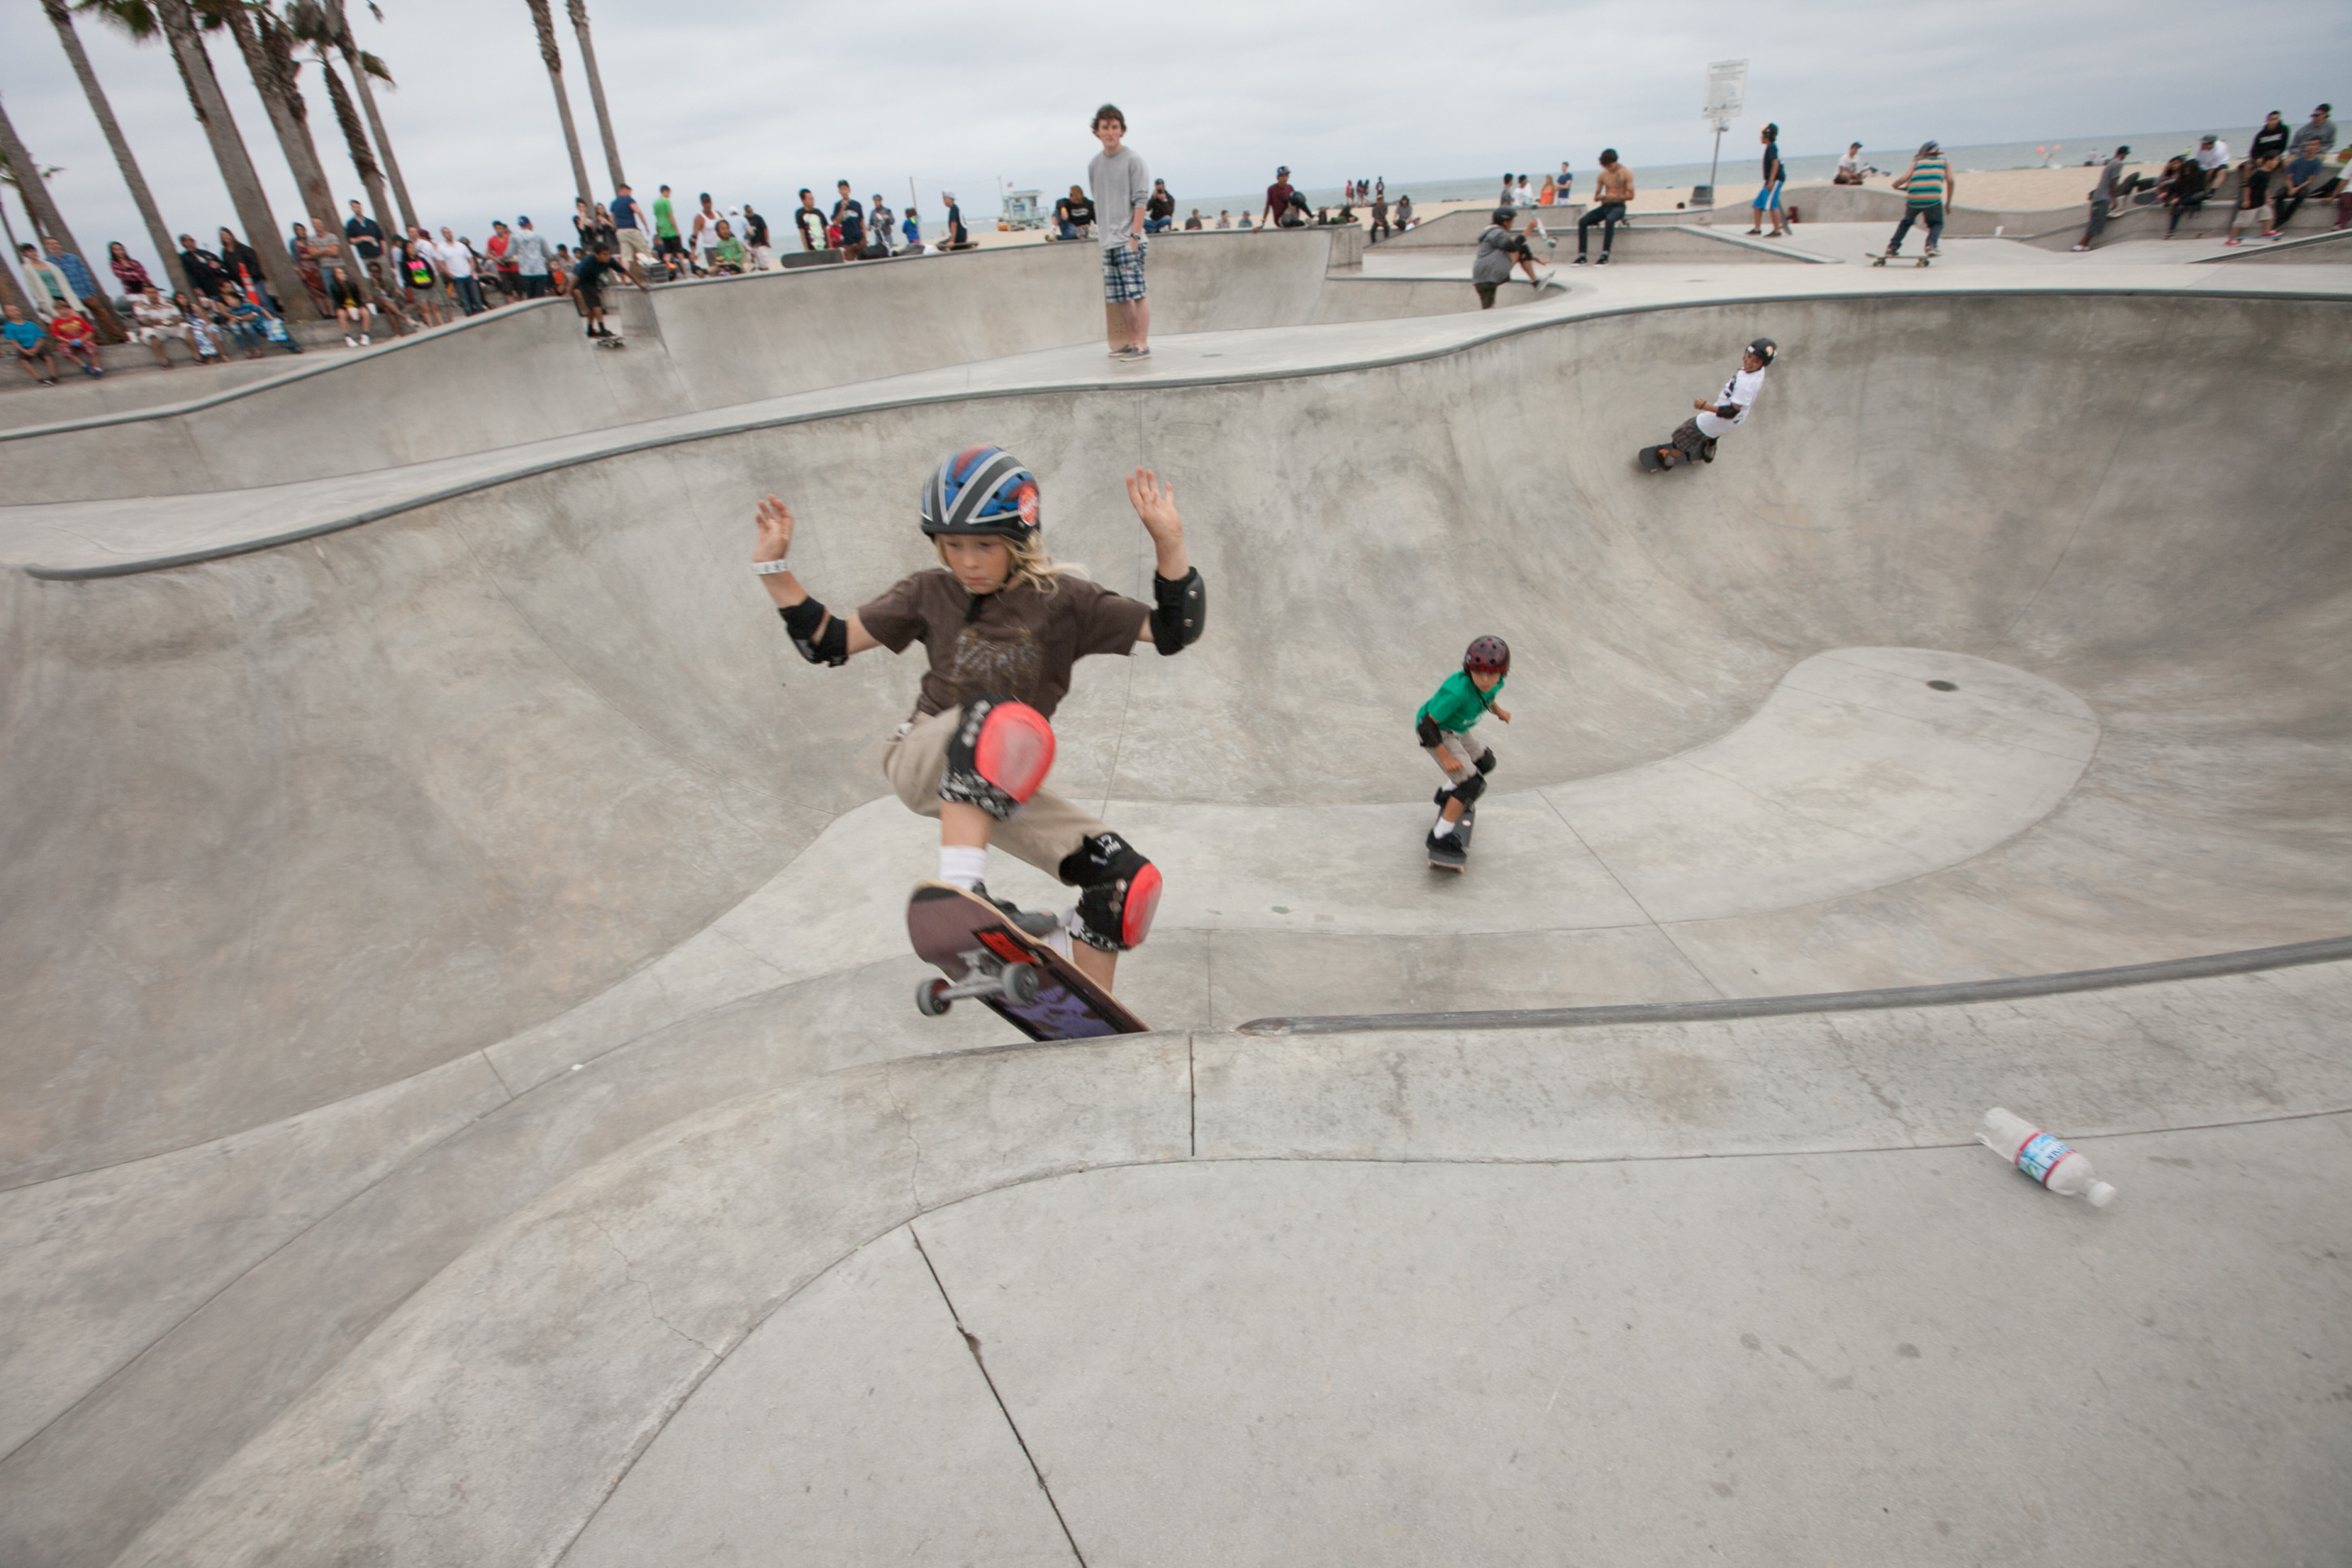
column 1764, row 348
column 981, row 490
column 1505, row 215
column 1487, row 653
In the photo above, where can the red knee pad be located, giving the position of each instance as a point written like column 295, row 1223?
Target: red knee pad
column 1142, row 904
column 999, row 756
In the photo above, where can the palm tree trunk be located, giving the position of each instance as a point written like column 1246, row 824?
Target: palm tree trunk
column 145, row 199
column 236, row 168
column 268, row 52
column 11, row 291
column 34, row 192
column 545, row 21
column 355, row 143
column 354, row 58
column 595, row 90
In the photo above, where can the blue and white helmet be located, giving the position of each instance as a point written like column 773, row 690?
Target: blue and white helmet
column 981, row 490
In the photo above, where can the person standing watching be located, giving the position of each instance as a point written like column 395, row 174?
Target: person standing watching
column 456, row 259
column 367, row 237
column 629, row 234
column 755, row 235
column 809, row 221
column 2102, row 196
column 532, row 259
column 849, row 216
column 85, row 290
column 1776, row 174
column 667, row 242
column 1278, row 198
column 1122, row 187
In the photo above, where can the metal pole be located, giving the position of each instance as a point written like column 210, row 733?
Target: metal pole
column 1716, row 162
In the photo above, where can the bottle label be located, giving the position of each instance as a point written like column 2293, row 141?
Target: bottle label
column 2041, row 1155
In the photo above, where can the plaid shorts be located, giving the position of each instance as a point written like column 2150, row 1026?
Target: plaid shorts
column 1123, row 273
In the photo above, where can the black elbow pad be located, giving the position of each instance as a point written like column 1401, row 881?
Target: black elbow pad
column 1727, row 411
column 1426, row 729
column 829, row 645
column 1179, row 610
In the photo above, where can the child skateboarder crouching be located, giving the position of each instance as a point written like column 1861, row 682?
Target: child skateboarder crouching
column 1694, row 440
column 1002, row 624
column 1443, row 725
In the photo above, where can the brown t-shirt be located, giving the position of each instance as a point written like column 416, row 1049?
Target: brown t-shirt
column 1017, row 641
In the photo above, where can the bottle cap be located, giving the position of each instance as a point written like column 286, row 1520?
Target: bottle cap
column 2100, row 1194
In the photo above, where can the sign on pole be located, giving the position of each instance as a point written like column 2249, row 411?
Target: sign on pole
column 1727, row 89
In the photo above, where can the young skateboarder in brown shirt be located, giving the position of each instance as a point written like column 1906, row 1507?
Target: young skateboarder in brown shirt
column 1002, row 624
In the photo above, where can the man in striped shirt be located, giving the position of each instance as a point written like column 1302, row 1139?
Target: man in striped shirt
column 1929, row 185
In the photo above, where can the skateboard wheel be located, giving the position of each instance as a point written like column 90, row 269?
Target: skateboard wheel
column 1021, row 983
column 931, row 998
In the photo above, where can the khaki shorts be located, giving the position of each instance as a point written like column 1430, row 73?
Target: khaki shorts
column 634, row 243
column 1456, row 755
column 1044, row 832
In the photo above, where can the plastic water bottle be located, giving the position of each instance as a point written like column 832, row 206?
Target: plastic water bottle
column 2063, row 1170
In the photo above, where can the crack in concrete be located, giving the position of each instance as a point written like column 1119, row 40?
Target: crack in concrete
column 629, row 1273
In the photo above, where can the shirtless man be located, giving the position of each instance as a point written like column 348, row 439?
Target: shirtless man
column 1608, row 209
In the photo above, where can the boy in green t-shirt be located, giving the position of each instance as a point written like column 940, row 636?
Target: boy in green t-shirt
column 1443, row 725
column 667, row 242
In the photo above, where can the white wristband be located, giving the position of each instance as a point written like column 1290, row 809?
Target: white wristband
column 770, row 568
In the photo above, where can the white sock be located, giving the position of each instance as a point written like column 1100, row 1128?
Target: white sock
column 1058, row 939
column 1443, row 828
column 966, row 865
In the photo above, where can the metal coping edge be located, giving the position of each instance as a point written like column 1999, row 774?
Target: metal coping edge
column 2249, row 960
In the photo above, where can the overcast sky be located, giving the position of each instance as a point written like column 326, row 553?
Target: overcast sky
column 749, row 99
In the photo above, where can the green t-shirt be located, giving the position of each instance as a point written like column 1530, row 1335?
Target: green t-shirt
column 1457, row 704
column 664, row 225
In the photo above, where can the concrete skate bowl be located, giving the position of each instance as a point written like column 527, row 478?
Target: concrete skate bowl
column 524, row 374
column 331, row 862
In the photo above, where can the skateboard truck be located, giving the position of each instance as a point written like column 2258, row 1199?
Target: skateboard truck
column 988, row 975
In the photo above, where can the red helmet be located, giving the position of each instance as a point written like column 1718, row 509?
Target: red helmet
column 1488, row 654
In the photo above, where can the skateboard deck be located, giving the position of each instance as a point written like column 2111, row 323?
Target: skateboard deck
column 1882, row 258
column 1014, row 975
column 1654, row 459
column 613, row 343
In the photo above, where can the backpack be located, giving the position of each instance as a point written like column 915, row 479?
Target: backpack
column 420, row 271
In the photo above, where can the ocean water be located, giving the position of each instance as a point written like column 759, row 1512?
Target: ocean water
column 1739, row 171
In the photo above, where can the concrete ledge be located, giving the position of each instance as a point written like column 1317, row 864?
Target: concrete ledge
column 2335, row 245
column 490, row 1417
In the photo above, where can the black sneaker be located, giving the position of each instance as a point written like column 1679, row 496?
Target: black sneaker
column 1604, row 259
column 1037, row 922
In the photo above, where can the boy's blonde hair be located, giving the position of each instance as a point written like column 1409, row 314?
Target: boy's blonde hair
column 1032, row 567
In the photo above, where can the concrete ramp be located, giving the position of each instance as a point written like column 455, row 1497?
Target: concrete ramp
column 433, row 950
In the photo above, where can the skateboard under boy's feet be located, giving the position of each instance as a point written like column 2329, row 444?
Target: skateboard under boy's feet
column 986, row 956
column 1452, row 852
column 1657, row 458
column 1883, row 258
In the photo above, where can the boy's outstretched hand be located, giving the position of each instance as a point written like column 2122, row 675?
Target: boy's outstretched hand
column 775, row 531
column 1502, row 712
column 1155, row 503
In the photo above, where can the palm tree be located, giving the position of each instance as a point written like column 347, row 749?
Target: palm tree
column 11, row 291
column 33, row 189
column 578, row 9
column 362, row 66
column 142, row 19
column 145, row 199
column 313, row 22
column 269, row 49
column 545, row 21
